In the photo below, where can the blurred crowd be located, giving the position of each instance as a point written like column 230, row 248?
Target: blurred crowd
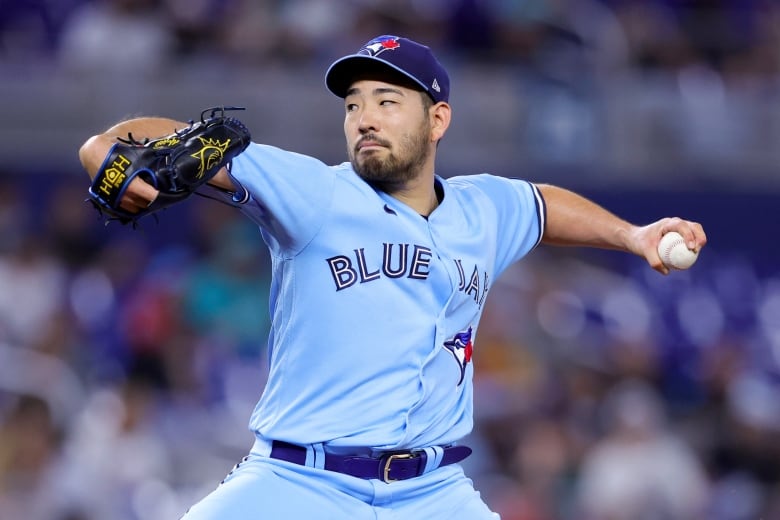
column 131, row 360
column 737, row 38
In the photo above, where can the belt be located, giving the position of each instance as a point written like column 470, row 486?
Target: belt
column 389, row 467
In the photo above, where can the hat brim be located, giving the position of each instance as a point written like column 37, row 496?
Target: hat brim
column 345, row 71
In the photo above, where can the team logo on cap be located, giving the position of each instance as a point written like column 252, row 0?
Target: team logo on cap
column 461, row 349
column 379, row 45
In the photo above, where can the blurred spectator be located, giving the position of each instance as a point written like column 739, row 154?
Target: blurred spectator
column 33, row 285
column 654, row 37
column 31, row 485
column 253, row 35
column 131, row 37
column 67, row 226
column 30, row 29
column 226, row 294
column 544, row 462
column 197, row 25
column 640, row 470
column 117, row 465
column 14, row 215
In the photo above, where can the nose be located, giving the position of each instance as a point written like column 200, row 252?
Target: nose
column 368, row 122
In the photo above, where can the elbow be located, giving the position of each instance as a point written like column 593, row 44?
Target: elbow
column 85, row 150
column 91, row 154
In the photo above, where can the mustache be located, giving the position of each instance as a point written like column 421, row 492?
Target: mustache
column 374, row 139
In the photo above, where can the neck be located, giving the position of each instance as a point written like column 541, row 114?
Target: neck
column 420, row 195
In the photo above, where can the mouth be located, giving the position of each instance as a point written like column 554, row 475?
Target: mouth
column 367, row 148
column 369, row 144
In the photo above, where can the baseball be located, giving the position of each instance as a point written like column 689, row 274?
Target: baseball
column 674, row 253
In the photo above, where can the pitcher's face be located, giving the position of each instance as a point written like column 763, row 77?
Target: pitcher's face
column 388, row 131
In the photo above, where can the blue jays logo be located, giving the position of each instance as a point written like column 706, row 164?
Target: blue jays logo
column 461, row 349
column 379, row 45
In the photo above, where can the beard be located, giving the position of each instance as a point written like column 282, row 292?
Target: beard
column 393, row 170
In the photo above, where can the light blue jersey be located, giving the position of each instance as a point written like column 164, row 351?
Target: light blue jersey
column 375, row 313
column 376, row 309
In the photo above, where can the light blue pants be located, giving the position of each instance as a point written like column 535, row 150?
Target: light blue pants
column 261, row 488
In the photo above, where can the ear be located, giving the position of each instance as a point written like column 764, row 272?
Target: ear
column 441, row 113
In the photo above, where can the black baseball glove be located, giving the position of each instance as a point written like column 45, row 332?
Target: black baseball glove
column 176, row 165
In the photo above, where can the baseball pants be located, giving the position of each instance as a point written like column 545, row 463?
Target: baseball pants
column 264, row 488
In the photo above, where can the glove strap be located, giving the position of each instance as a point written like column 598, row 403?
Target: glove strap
column 114, row 176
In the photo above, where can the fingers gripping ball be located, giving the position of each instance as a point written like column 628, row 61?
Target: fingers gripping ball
column 176, row 165
column 674, row 253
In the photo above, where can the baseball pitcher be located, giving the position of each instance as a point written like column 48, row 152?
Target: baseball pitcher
column 381, row 270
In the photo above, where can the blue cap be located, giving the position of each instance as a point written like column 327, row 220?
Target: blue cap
column 391, row 53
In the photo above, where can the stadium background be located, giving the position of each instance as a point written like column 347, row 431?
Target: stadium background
column 129, row 361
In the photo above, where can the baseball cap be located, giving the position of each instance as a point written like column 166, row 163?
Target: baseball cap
column 391, row 53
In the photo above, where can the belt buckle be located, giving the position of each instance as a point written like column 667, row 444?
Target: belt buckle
column 390, row 458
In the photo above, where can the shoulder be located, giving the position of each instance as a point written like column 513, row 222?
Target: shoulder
column 259, row 155
column 484, row 181
column 504, row 197
column 491, row 186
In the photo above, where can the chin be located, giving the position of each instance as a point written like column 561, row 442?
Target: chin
column 370, row 168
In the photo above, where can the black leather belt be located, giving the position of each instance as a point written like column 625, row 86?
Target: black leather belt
column 389, row 467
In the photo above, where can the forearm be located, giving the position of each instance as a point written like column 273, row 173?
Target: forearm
column 93, row 152
column 573, row 220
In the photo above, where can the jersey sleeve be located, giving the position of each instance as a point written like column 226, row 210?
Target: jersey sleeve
column 286, row 193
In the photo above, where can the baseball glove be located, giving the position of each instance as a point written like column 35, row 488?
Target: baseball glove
column 176, row 165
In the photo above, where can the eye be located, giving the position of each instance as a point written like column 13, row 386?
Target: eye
column 351, row 107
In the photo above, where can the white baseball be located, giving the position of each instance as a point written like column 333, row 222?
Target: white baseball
column 674, row 253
